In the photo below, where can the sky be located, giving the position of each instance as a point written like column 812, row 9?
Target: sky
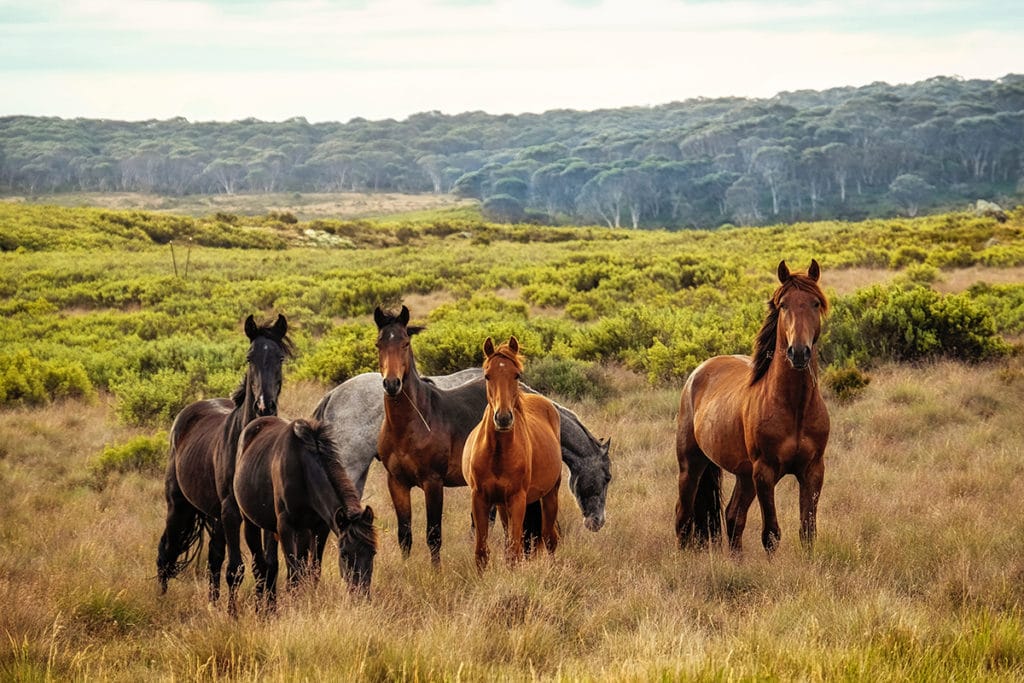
column 224, row 60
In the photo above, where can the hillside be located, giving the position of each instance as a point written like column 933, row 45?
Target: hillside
column 848, row 153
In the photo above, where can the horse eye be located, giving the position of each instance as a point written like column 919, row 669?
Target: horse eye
column 487, row 378
column 817, row 304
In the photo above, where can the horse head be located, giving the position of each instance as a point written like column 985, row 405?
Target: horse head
column 357, row 546
column 801, row 305
column 589, row 485
column 269, row 345
column 394, row 350
column 502, row 369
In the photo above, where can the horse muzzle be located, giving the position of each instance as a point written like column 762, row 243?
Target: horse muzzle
column 503, row 421
column 799, row 356
column 594, row 522
column 392, row 386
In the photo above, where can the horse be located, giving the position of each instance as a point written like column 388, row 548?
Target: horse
column 203, row 439
column 289, row 483
column 355, row 410
column 513, row 456
column 759, row 417
column 423, row 432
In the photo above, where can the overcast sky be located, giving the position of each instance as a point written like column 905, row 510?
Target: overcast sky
column 332, row 61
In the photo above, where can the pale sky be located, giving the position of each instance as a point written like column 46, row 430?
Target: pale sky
column 332, row 61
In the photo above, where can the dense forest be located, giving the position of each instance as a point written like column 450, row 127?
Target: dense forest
column 846, row 153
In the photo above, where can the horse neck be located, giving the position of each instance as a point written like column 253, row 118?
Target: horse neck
column 797, row 388
column 412, row 403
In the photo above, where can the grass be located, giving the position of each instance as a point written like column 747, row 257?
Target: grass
column 917, row 573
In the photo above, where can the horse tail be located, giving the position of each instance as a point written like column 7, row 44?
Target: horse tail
column 321, row 408
column 707, row 506
column 182, row 540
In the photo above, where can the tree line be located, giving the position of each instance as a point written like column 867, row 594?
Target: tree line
column 848, row 152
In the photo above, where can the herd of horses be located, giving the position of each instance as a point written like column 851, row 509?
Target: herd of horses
column 237, row 469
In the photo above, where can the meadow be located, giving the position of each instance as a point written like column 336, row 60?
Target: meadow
column 917, row 572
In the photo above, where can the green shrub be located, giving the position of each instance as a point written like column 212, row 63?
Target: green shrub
column 155, row 399
column 898, row 323
column 567, row 378
column 344, row 352
column 27, row 380
column 846, row 382
column 147, row 454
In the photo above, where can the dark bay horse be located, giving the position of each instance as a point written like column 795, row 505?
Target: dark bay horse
column 203, row 440
column 760, row 418
column 423, row 432
column 355, row 410
column 512, row 457
column 289, row 484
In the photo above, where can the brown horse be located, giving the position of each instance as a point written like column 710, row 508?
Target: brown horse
column 290, row 484
column 204, row 438
column 759, row 417
column 423, row 432
column 513, row 456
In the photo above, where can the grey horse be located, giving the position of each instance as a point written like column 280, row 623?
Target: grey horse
column 356, row 410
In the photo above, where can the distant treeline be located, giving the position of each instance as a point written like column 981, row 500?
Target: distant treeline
column 840, row 153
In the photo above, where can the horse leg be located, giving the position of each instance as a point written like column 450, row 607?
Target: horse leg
column 290, row 543
column 215, row 560
column 270, row 555
column 231, row 523
column 765, row 479
column 182, row 529
column 403, row 511
column 481, row 512
column 254, row 541
column 549, row 518
column 810, row 480
column 743, row 495
column 690, row 471
column 533, row 527
column 433, row 493
column 516, row 505
column 322, row 532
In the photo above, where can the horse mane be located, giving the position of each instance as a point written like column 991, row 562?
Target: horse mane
column 764, row 343
column 318, row 437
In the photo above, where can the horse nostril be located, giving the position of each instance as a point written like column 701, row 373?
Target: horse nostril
column 392, row 386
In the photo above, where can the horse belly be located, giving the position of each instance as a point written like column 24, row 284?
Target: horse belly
column 718, row 429
column 193, row 464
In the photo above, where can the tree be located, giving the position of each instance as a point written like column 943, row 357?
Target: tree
column 909, row 191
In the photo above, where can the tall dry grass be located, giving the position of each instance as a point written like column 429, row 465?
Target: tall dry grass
column 918, row 572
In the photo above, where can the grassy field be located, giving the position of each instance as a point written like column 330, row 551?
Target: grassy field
column 307, row 206
column 917, row 573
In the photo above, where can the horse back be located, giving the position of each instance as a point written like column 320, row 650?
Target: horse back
column 253, row 481
column 544, row 425
column 711, row 410
column 196, row 435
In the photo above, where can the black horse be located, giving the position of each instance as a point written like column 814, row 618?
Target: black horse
column 290, row 486
column 200, row 469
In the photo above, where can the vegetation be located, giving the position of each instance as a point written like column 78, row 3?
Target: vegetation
column 916, row 574
column 847, row 153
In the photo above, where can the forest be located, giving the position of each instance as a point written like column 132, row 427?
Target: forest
column 847, row 153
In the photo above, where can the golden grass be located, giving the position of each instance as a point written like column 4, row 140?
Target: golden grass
column 918, row 571
column 304, row 206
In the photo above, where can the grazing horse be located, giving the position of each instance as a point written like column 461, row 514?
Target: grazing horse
column 289, row 483
column 424, row 428
column 759, row 417
column 355, row 411
column 513, row 456
column 203, row 437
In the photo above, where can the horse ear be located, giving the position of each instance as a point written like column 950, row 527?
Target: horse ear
column 783, row 272
column 280, row 327
column 513, row 344
column 250, row 328
column 368, row 514
column 379, row 318
column 814, row 272
column 488, row 347
column 403, row 317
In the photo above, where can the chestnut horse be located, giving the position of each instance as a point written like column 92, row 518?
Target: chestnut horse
column 760, row 418
column 423, row 432
column 513, row 456
column 204, row 439
column 290, row 485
